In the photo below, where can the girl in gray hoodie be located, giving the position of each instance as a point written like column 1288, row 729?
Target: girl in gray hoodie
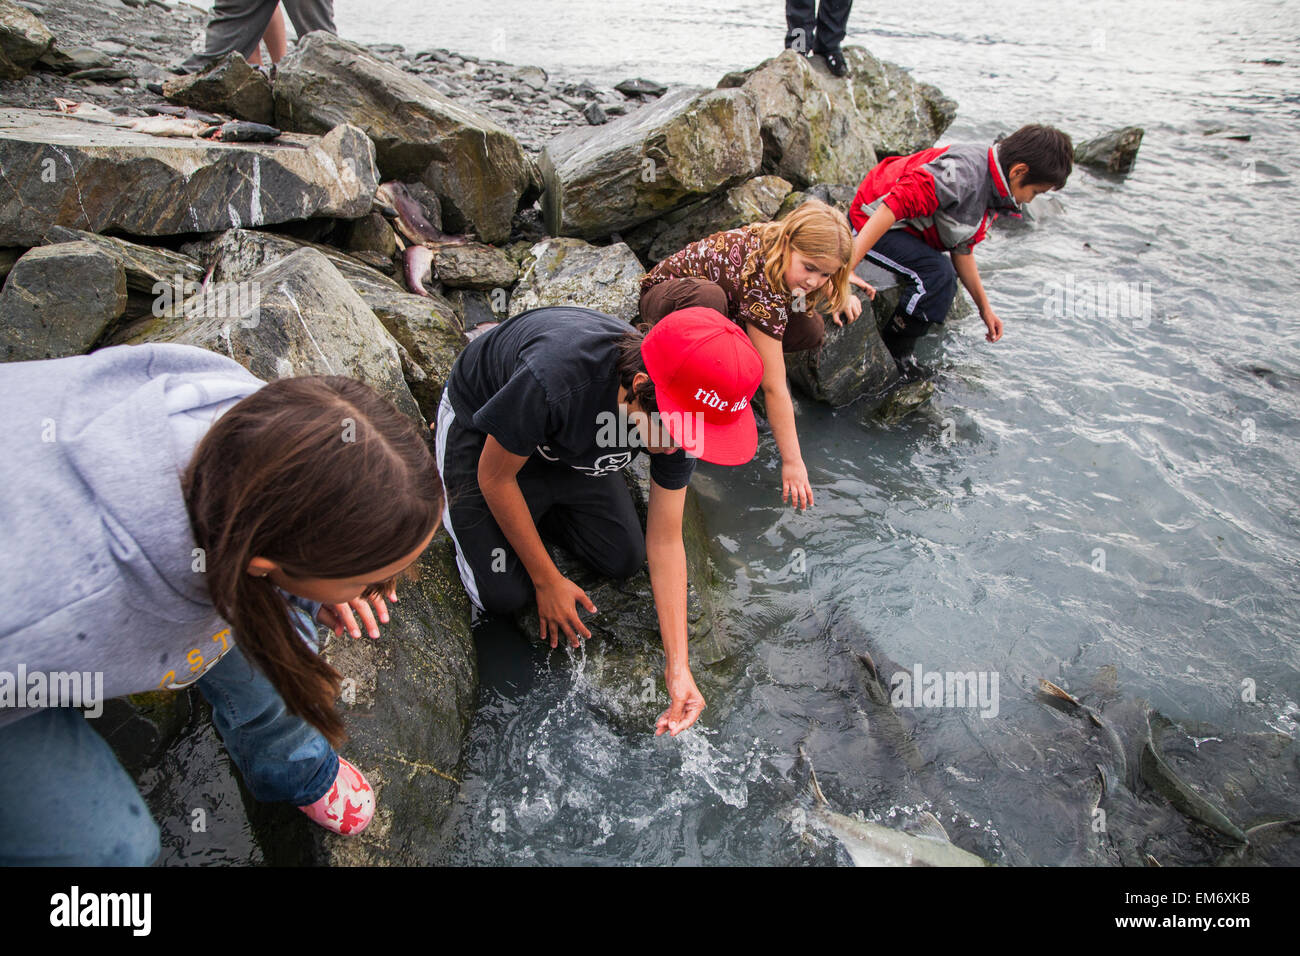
column 168, row 519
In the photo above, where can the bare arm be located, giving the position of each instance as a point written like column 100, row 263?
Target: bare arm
column 964, row 264
column 556, row 594
column 666, row 556
column 780, row 413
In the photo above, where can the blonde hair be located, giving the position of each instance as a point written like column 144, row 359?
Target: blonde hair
column 815, row 231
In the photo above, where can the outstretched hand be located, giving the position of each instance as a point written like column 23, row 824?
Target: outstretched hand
column 687, row 703
column 340, row 617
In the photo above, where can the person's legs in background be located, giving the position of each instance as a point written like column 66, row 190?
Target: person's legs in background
column 926, row 292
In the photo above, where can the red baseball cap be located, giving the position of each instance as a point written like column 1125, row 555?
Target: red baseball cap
column 705, row 371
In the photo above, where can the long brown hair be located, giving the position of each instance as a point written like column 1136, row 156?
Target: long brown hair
column 325, row 477
column 814, row 230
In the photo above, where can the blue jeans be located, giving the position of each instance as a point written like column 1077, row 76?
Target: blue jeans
column 65, row 800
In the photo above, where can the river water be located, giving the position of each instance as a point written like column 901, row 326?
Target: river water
column 1106, row 498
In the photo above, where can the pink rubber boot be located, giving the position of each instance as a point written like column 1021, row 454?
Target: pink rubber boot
column 348, row 805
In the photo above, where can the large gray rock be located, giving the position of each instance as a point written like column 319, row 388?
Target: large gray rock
column 23, row 40
column 413, row 693
column 474, row 266
column 74, row 59
column 818, row 128
column 853, row 363
column 427, row 329
column 1113, row 152
column 478, row 170
column 296, row 316
column 229, row 85
column 757, row 200
column 677, row 150
column 573, row 272
column 59, row 300
column 145, row 266
column 67, row 171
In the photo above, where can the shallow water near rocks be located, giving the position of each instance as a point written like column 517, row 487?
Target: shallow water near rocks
column 1106, row 500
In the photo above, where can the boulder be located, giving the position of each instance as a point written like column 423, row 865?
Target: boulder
column 23, row 40
column 413, row 693
column 474, row 266
column 68, row 171
column 853, row 363
column 295, row 316
column 59, row 300
column 478, row 170
column 818, row 128
column 371, row 233
column 573, row 272
column 229, row 85
column 427, row 329
column 1113, row 152
column 756, row 200
column 677, row 150
column 145, row 266
column 74, row 59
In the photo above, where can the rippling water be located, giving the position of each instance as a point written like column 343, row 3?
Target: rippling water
column 1160, row 445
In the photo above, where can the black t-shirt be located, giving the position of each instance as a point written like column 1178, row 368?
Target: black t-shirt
column 545, row 383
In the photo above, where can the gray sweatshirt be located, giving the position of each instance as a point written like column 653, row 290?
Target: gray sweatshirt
column 100, row 576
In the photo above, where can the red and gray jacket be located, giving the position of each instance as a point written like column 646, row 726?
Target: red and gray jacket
column 945, row 195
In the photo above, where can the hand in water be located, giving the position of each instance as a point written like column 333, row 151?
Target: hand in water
column 687, row 702
column 339, row 617
column 794, row 485
column 557, row 609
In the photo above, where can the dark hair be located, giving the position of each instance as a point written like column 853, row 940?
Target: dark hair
column 325, row 477
column 1047, row 152
column 630, row 363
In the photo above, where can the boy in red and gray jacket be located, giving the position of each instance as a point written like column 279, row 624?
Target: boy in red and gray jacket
column 910, row 210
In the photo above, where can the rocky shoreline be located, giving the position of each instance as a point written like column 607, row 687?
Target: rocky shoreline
column 406, row 198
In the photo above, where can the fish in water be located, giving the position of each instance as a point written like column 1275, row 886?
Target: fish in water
column 871, row 844
column 418, row 262
column 411, row 219
column 165, row 126
column 1112, row 738
column 1162, row 778
column 240, row 131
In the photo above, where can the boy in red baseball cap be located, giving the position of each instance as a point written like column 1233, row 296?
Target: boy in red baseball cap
column 538, row 419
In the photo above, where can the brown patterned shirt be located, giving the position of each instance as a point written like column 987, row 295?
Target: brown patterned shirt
column 720, row 258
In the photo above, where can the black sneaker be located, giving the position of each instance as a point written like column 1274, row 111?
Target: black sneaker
column 912, row 371
column 835, row 62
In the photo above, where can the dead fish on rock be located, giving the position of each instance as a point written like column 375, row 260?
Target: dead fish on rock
column 410, row 217
column 84, row 110
column 418, row 268
column 871, row 844
column 166, row 126
column 241, row 131
column 1162, row 778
